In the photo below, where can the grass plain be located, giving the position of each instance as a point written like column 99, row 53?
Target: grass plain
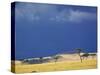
column 72, row 64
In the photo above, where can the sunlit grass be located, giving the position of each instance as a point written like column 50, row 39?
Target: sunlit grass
column 58, row 66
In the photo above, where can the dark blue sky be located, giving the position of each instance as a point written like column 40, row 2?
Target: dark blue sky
column 48, row 29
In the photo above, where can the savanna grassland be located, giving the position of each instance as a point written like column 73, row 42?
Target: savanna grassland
column 68, row 62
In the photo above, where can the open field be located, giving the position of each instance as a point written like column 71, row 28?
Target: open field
column 61, row 65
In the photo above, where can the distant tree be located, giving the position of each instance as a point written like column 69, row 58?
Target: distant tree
column 56, row 57
column 79, row 50
column 93, row 55
column 41, row 59
column 25, row 61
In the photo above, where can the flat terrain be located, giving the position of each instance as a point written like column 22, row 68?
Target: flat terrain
column 68, row 62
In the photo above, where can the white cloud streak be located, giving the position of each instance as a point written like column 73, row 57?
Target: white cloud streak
column 75, row 16
column 35, row 12
column 80, row 16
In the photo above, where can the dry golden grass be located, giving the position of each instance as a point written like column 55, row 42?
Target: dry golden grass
column 58, row 66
